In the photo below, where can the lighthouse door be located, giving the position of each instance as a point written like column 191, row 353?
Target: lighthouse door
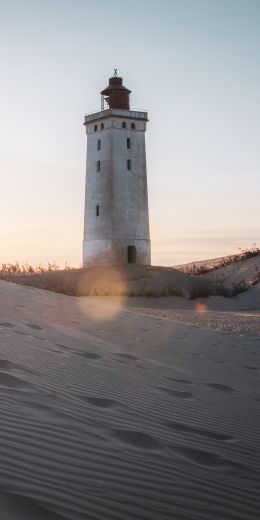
column 131, row 254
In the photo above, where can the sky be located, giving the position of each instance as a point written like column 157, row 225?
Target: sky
column 193, row 64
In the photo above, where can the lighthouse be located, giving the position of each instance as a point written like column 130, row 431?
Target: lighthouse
column 116, row 220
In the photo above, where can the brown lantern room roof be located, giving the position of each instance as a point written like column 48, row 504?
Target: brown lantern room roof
column 116, row 93
column 115, row 83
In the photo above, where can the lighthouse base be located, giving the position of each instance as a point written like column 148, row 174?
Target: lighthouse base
column 117, row 252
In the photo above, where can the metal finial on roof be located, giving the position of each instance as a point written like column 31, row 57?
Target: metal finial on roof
column 115, row 73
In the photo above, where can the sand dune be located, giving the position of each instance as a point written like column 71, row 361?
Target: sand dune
column 120, row 412
column 137, row 280
column 244, row 270
column 123, row 280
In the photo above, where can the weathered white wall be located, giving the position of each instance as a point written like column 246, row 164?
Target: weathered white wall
column 121, row 194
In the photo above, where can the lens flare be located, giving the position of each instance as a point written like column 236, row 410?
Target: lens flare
column 201, row 307
column 105, row 290
column 101, row 308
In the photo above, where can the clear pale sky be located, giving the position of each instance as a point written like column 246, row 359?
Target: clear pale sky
column 193, row 64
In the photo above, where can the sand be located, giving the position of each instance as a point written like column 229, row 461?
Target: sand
column 245, row 270
column 115, row 408
column 96, row 280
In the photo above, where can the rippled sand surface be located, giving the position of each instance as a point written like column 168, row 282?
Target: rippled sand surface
column 115, row 409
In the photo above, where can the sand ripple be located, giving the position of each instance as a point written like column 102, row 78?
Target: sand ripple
column 122, row 421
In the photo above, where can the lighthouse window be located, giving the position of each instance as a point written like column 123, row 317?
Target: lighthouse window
column 128, row 142
column 99, row 144
column 131, row 254
column 133, row 126
column 97, row 211
column 98, row 166
column 129, row 164
column 95, row 128
column 124, row 125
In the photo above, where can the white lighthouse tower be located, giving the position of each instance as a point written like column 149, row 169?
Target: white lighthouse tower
column 116, row 224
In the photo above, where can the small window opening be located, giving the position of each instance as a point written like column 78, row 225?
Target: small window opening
column 98, row 166
column 102, row 126
column 128, row 142
column 97, row 211
column 129, row 164
column 95, row 128
column 131, row 254
column 99, row 144
column 133, row 126
column 124, row 125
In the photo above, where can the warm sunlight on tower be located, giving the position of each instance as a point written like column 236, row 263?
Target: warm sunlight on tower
column 116, row 227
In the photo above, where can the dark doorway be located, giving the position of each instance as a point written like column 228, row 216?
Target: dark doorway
column 131, row 254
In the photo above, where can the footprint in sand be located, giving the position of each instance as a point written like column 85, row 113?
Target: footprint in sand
column 22, row 508
column 7, row 365
column 51, row 348
column 219, row 386
column 33, row 326
column 88, row 355
column 125, row 357
column 212, row 460
column 60, row 349
column 182, row 381
column 136, row 439
column 7, row 324
column 100, row 402
column 11, row 381
column 176, row 393
column 60, row 345
column 208, row 434
column 43, row 412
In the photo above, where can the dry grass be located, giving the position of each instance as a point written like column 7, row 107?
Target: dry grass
column 9, row 270
column 127, row 281
column 124, row 281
